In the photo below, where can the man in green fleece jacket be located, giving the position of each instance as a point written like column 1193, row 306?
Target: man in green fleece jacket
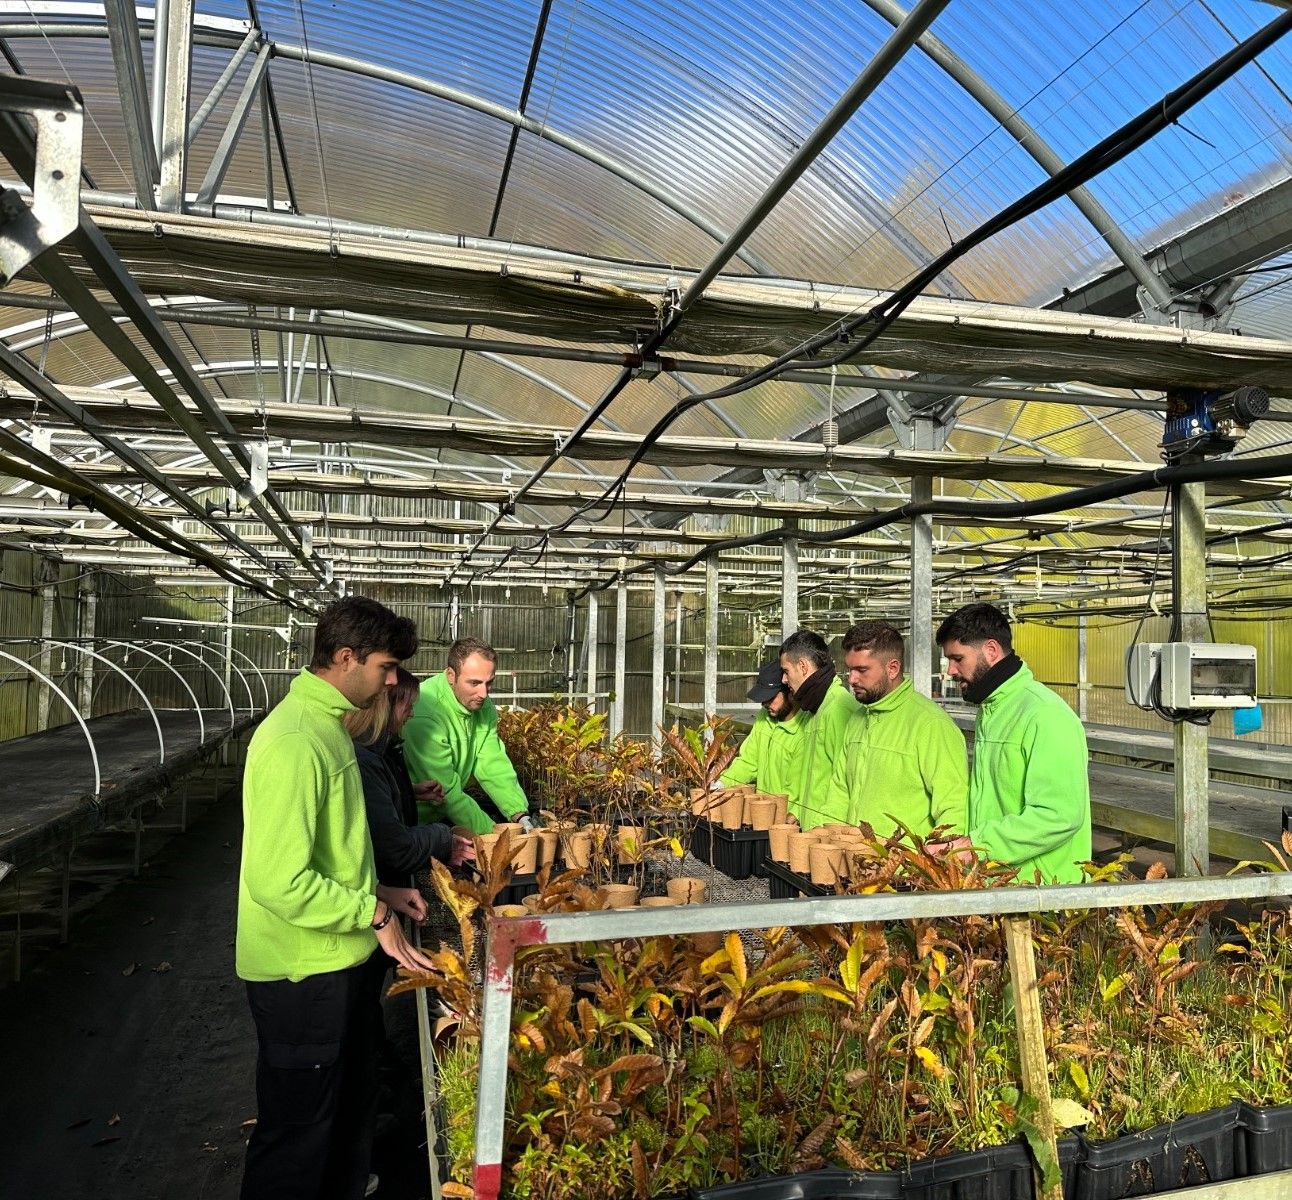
column 452, row 738
column 809, row 672
column 903, row 758
column 769, row 755
column 311, row 914
column 1029, row 790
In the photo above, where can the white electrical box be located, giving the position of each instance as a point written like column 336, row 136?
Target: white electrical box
column 1191, row 675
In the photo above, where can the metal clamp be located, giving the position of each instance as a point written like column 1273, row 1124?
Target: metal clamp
column 26, row 231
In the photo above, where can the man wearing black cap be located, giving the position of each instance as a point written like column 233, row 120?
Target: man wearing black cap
column 769, row 755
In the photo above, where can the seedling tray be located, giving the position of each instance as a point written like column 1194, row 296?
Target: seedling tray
column 785, row 884
column 737, row 853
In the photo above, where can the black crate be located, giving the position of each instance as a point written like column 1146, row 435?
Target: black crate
column 785, row 884
column 992, row 1173
column 1198, row 1148
column 1264, row 1139
column 829, row 1184
column 737, row 853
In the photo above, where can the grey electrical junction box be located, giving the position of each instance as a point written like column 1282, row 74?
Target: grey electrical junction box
column 1191, row 675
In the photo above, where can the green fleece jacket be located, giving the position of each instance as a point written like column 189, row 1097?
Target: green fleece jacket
column 823, row 743
column 769, row 755
column 307, row 887
column 1029, row 791
column 452, row 745
column 903, row 760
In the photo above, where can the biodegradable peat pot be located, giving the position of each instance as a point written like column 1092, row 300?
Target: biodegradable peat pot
column 621, row 895
column 782, row 806
column 778, row 838
column 762, row 812
column 687, row 889
column 705, row 803
column 485, row 842
column 524, row 854
column 733, row 810
column 826, row 860
column 578, row 849
column 548, row 846
column 511, row 910
column 800, row 851
column 530, row 903
column 628, row 844
column 515, row 828
column 658, row 902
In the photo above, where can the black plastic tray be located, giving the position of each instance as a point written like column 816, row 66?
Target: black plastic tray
column 785, row 884
column 737, row 853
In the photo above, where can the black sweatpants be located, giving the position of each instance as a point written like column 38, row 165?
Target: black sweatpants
column 316, row 1087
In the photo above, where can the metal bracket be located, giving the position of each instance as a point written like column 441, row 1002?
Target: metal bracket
column 934, row 419
column 55, row 210
column 258, row 475
column 792, row 487
column 1208, row 309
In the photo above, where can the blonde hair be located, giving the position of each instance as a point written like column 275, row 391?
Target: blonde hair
column 366, row 725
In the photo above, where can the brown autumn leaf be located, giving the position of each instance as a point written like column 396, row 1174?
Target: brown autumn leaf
column 1156, row 871
column 131, row 969
column 162, row 967
column 459, row 1191
column 115, row 1119
column 104, row 1141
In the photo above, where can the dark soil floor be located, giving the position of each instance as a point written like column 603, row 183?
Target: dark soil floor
column 127, row 1057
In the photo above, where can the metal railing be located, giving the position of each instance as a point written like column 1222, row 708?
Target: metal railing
column 506, row 935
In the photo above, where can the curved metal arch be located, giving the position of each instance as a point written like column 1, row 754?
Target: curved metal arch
column 1105, row 225
column 228, row 695
column 264, row 686
column 79, row 649
column 80, row 720
column 197, row 707
column 246, row 687
column 208, row 33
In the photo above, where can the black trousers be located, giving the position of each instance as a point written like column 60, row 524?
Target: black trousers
column 316, row 1087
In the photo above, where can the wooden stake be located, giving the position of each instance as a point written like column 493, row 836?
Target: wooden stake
column 1031, row 1036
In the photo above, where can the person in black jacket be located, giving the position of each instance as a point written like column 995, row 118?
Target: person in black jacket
column 400, row 845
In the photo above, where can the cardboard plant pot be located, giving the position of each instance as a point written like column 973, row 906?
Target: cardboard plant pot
column 778, row 837
column 515, row 828
column 485, row 842
column 511, row 910
column 733, row 810
column 827, row 863
column 530, row 903
column 524, row 853
column 658, row 902
column 548, row 847
column 762, row 812
column 782, row 806
column 621, row 895
column 800, row 849
column 687, row 889
column 704, row 803
column 629, row 840
column 578, row 849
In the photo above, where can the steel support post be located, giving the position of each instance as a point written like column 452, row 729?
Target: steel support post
column 657, row 655
column 677, row 647
column 1189, row 588
column 593, row 639
column 571, row 624
column 89, row 593
column 920, row 660
column 789, row 583
column 710, row 635
column 46, row 653
column 228, row 661
column 455, row 617
column 1083, row 668
column 172, row 67
column 621, row 656
column 132, row 83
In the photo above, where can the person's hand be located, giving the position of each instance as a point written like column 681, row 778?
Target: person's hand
column 408, row 901
column 393, row 942
column 526, row 822
column 960, row 848
column 429, row 791
column 462, row 850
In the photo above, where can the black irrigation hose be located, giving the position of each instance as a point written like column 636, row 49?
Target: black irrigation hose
column 1114, row 489
column 1106, row 153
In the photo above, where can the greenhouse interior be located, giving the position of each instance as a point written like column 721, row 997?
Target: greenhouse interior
column 638, row 602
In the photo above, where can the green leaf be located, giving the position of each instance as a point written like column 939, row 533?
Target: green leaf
column 704, row 1025
column 850, row 968
column 1047, row 1161
column 1114, row 989
column 1077, row 1073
